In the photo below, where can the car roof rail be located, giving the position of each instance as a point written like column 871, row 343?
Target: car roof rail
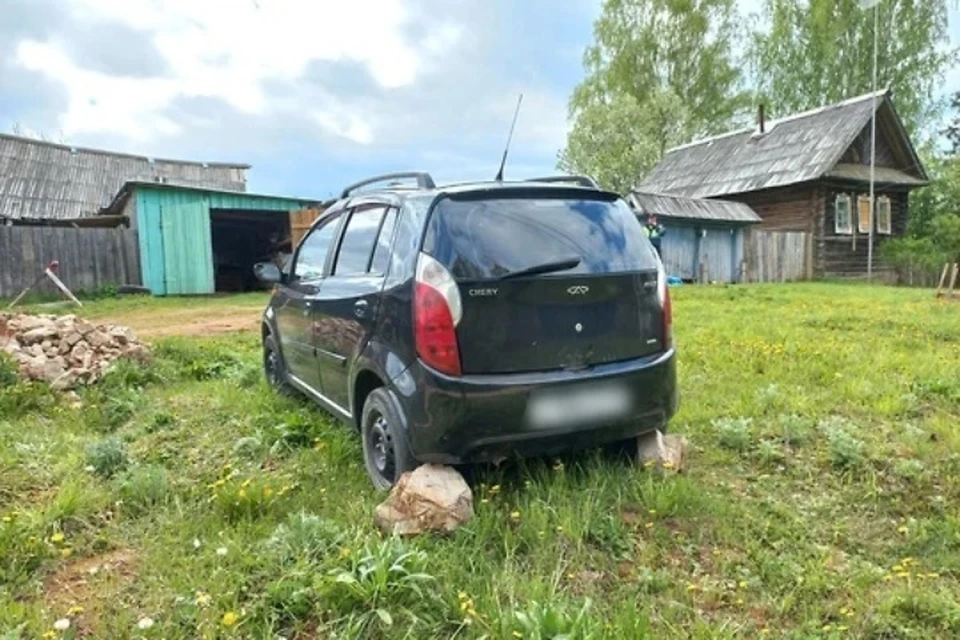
column 583, row 181
column 424, row 180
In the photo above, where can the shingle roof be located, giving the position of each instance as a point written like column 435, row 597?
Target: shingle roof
column 672, row 206
column 794, row 149
column 44, row 180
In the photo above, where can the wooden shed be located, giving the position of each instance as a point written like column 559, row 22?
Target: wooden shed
column 808, row 172
column 704, row 239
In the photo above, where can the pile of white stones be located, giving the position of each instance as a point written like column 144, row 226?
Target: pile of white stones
column 65, row 351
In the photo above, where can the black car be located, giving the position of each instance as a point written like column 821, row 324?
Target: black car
column 474, row 322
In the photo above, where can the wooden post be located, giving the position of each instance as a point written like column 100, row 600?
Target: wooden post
column 743, row 271
column 943, row 279
column 953, row 279
column 703, row 273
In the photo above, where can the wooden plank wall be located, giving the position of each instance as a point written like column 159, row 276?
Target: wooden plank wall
column 90, row 259
column 300, row 222
column 777, row 256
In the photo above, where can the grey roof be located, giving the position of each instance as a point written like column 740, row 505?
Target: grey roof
column 44, row 180
column 672, row 206
column 797, row 148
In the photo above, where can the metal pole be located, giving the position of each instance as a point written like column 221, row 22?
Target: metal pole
column 873, row 142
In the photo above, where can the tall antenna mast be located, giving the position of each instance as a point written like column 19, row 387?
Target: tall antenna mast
column 503, row 161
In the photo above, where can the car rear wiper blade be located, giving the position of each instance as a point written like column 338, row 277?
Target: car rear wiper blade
column 545, row 267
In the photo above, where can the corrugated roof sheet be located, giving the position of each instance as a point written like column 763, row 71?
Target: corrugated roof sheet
column 44, row 180
column 794, row 149
column 672, row 206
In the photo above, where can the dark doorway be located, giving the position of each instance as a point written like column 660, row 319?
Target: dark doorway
column 241, row 238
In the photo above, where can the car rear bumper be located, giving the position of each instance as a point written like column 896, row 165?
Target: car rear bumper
column 478, row 418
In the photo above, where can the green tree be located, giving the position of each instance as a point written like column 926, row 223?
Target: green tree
column 619, row 140
column 817, row 52
column 669, row 60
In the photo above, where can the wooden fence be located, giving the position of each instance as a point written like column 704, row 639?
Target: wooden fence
column 777, row 256
column 90, row 259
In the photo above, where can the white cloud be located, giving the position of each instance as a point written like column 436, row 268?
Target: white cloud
column 229, row 50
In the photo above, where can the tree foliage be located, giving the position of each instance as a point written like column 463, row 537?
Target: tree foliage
column 671, row 61
column 952, row 132
column 817, row 52
column 619, row 140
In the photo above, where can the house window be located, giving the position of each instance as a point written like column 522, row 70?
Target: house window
column 841, row 210
column 884, row 217
column 863, row 214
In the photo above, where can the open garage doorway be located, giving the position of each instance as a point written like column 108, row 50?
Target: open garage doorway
column 241, row 238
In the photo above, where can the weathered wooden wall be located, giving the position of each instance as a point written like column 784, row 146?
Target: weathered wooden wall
column 785, row 208
column 845, row 255
column 777, row 256
column 90, row 259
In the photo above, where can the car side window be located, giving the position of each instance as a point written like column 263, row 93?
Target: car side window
column 358, row 240
column 313, row 251
column 381, row 252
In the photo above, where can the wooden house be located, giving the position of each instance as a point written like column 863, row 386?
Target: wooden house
column 703, row 239
column 809, row 172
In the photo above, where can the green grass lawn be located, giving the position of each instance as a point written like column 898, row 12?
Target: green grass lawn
column 821, row 499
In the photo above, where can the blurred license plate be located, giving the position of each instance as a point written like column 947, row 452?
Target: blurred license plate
column 578, row 405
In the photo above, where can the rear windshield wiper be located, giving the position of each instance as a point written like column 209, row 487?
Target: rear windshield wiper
column 545, row 267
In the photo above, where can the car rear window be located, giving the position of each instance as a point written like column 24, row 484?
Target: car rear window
column 483, row 239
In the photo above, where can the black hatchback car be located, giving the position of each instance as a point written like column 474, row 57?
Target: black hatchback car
column 475, row 322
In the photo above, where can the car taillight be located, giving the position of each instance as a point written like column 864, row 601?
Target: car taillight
column 437, row 310
column 663, row 296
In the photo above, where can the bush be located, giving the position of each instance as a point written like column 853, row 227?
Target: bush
column 107, row 457
column 305, row 536
column 143, row 487
column 552, row 622
column 8, row 371
column 384, row 585
column 846, row 451
column 734, row 433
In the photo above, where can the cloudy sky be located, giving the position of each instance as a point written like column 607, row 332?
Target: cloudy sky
column 312, row 93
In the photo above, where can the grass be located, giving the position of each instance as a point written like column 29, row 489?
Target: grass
column 820, row 500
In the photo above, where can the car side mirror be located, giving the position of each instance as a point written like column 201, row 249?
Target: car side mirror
column 267, row 272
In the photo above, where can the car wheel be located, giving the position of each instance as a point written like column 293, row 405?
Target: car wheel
column 273, row 368
column 385, row 451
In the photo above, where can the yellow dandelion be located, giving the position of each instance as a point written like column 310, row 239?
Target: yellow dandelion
column 514, row 515
column 691, row 587
column 559, row 528
column 229, row 619
column 827, row 627
column 742, row 584
column 66, row 552
column 74, row 610
column 267, row 492
column 494, row 490
column 50, row 634
column 56, row 538
column 903, row 574
column 242, row 493
column 898, row 567
column 345, row 552
column 652, row 512
column 902, row 529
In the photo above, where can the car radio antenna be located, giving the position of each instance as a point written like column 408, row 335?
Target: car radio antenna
column 506, row 149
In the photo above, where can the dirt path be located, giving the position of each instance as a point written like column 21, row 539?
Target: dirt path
column 150, row 321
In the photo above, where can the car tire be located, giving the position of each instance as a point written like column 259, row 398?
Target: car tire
column 273, row 368
column 385, row 451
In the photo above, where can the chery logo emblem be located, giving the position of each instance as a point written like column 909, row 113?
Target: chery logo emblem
column 578, row 290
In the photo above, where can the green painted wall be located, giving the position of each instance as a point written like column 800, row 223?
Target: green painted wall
column 173, row 225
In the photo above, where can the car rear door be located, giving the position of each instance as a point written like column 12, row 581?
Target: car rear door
column 346, row 306
column 296, row 320
column 604, row 309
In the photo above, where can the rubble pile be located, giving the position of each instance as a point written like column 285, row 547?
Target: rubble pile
column 65, row 351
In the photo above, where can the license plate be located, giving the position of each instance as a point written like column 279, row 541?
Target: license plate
column 594, row 403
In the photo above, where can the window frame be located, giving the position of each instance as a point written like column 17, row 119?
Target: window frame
column 376, row 242
column 332, row 271
column 885, row 229
column 848, row 229
column 336, row 218
column 861, row 228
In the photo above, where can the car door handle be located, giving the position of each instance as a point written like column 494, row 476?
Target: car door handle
column 360, row 308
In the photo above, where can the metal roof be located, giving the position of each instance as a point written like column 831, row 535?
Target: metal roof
column 794, row 149
column 673, row 206
column 45, row 180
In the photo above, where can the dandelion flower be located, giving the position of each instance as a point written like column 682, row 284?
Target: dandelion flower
column 902, row 529
column 145, row 623
column 66, row 552
column 62, row 624
column 515, row 515
column 229, row 619
column 242, row 493
column 56, row 538
column 74, row 610
column 50, row 634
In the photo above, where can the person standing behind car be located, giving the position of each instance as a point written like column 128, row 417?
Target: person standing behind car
column 654, row 231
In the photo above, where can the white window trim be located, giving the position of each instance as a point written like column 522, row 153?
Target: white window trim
column 848, row 229
column 861, row 228
column 887, row 228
